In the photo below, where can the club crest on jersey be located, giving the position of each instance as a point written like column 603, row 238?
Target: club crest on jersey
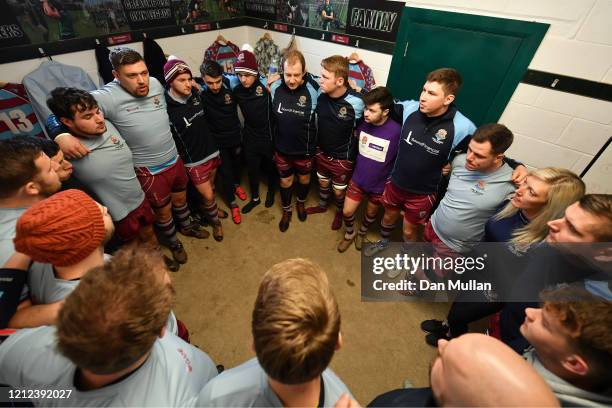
column 364, row 139
column 228, row 99
column 195, row 101
column 156, row 100
column 479, row 187
column 302, row 101
column 259, row 90
column 440, row 136
column 342, row 113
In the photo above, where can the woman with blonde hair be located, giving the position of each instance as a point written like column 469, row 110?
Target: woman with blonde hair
column 521, row 222
column 542, row 197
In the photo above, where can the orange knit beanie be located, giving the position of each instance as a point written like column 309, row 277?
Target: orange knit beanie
column 61, row 230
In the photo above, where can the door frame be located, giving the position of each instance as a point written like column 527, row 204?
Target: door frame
column 530, row 33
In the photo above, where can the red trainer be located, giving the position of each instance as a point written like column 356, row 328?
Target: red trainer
column 236, row 217
column 337, row 223
column 316, row 210
column 240, row 193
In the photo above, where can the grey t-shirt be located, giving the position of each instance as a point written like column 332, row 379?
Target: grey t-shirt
column 109, row 172
column 471, row 199
column 247, row 386
column 143, row 122
column 8, row 223
column 46, row 288
column 172, row 376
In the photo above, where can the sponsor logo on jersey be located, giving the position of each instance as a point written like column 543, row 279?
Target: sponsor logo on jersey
column 302, row 102
column 259, row 90
column 228, row 99
column 479, row 187
column 132, row 109
column 440, row 136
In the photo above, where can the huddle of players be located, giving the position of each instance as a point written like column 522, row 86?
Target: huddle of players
column 182, row 133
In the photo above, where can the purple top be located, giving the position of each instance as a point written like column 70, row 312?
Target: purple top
column 378, row 147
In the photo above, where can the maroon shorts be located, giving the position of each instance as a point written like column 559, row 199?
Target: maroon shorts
column 202, row 172
column 158, row 187
column 128, row 228
column 439, row 247
column 416, row 206
column 289, row 165
column 339, row 171
column 354, row 192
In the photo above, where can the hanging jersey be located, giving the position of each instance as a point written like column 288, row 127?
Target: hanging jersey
column 17, row 117
column 224, row 54
column 362, row 75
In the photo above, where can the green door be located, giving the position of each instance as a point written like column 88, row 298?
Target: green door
column 492, row 55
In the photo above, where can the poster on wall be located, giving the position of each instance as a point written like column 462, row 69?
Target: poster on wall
column 374, row 19
column 198, row 11
column 142, row 14
column 327, row 15
column 264, row 9
column 46, row 21
column 11, row 32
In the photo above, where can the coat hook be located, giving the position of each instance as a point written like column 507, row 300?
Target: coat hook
column 323, row 37
column 144, row 35
column 357, row 43
column 265, row 26
column 97, row 41
column 218, row 26
column 293, row 32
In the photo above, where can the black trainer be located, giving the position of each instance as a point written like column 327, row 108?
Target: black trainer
column 434, row 326
column 250, row 205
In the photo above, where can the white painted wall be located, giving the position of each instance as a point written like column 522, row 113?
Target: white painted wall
column 552, row 128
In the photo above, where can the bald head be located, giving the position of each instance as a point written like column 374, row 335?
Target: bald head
column 478, row 370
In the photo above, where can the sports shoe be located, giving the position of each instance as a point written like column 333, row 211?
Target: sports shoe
column 358, row 241
column 240, row 193
column 269, row 199
column 376, row 247
column 218, row 232
column 337, row 222
column 434, row 326
column 250, row 205
column 317, row 209
column 301, row 211
column 432, row 338
column 236, row 217
column 283, row 225
column 171, row 264
column 196, row 231
column 346, row 242
column 178, row 253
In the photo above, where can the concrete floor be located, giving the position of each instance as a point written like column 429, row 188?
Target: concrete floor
column 383, row 344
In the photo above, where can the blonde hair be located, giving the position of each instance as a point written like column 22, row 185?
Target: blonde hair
column 337, row 65
column 565, row 189
column 296, row 322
